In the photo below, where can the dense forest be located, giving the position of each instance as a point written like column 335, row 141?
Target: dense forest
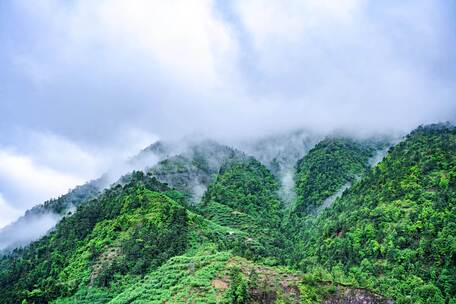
column 208, row 225
column 394, row 231
column 331, row 164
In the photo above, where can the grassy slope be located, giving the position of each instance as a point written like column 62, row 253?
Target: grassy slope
column 206, row 275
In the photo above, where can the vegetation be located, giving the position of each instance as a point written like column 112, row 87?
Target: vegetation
column 127, row 230
column 391, row 235
column 207, row 275
column 394, row 231
column 331, row 164
column 244, row 196
column 245, row 185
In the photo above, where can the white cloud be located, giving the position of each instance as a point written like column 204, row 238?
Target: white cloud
column 182, row 39
column 7, row 212
column 25, row 183
column 60, row 154
column 349, row 64
column 293, row 21
column 183, row 66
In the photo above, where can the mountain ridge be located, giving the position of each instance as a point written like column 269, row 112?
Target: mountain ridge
column 142, row 240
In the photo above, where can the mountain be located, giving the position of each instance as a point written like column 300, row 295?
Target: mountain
column 188, row 167
column 331, row 166
column 244, row 196
column 192, row 170
column 279, row 153
column 394, row 230
column 83, row 247
column 153, row 154
column 135, row 243
column 358, row 230
column 41, row 218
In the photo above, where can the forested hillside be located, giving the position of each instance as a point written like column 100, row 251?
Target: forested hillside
column 394, row 230
column 333, row 163
column 100, row 230
column 279, row 153
column 137, row 243
column 244, row 196
column 208, row 225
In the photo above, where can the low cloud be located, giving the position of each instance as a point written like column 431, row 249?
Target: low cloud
column 25, row 231
column 44, row 166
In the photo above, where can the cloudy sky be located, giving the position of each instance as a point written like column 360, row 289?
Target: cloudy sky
column 86, row 83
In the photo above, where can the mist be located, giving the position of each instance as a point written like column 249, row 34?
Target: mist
column 85, row 86
column 280, row 152
column 26, row 230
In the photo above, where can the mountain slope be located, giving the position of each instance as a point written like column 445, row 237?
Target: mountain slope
column 195, row 168
column 247, row 186
column 394, row 231
column 333, row 164
column 140, row 241
column 135, row 244
column 208, row 276
column 110, row 243
column 41, row 218
column 279, row 153
column 113, row 225
column 244, row 196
